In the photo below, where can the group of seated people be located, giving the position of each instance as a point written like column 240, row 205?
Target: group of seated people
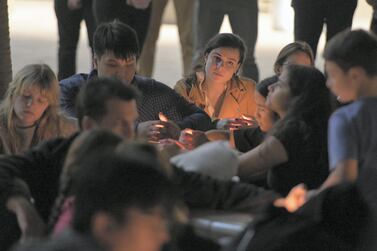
column 111, row 160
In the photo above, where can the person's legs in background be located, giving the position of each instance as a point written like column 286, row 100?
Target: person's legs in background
column 241, row 13
column 308, row 21
column 184, row 10
column 208, row 17
column 90, row 23
column 339, row 15
column 373, row 24
column 138, row 19
column 69, row 30
column 147, row 57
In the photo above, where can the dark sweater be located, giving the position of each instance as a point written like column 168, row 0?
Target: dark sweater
column 156, row 97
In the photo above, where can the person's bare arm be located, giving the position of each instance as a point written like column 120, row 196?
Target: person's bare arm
column 345, row 171
column 268, row 154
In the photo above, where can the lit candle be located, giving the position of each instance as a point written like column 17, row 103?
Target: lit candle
column 162, row 117
column 247, row 117
column 189, row 131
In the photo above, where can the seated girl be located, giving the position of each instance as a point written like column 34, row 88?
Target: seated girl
column 245, row 139
column 297, row 52
column 295, row 150
column 217, row 88
column 30, row 112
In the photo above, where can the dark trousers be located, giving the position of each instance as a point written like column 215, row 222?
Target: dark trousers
column 311, row 15
column 69, row 30
column 243, row 18
column 109, row 10
column 373, row 24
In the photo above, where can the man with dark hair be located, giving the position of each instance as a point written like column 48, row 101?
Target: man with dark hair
column 115, row 54
column 130, row 196
column 125, row 206
column 351, row 64
column 107, row 103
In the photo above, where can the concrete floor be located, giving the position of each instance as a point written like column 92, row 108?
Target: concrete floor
column 34, row 39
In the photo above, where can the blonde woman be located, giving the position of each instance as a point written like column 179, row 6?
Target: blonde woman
column 30, row 110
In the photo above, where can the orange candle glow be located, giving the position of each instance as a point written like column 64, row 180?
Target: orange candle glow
column 189, row 131
column 162, row 117
column 247, row 117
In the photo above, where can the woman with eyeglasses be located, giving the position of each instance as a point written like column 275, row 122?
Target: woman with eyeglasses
column 217, row 87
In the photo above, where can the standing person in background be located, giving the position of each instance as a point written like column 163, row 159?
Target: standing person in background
column 69, row 14
column 30, row 111
column 373, row 24
column 135, row 13
column 243, row 18
column 5, row 59
column 311, row 15
column 184, row 11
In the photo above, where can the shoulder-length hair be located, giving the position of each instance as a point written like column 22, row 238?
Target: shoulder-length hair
column 48, row 126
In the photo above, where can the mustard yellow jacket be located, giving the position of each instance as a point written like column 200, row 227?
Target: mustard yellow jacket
column 238, row 99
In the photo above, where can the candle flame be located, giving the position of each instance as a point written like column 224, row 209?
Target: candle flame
column 189, row 131
column 247, row 117
column 162, row 117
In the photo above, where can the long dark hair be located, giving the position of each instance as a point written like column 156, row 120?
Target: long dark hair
column 310, row 99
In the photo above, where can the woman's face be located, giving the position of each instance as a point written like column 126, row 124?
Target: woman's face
column 279, row 94
column 298, row 58
column 264, row 116
column 29, row 106
column 221, row 64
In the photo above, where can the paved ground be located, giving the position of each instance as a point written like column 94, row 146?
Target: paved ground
column 34, row 39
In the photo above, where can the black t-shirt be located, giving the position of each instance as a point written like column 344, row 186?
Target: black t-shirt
column 306, row 147
column 248, row 138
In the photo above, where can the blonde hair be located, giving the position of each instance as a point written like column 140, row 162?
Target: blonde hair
column 49, row 125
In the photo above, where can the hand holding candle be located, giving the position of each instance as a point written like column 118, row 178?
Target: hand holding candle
column 167, row 128
column 237, row 123
column 192, row 138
